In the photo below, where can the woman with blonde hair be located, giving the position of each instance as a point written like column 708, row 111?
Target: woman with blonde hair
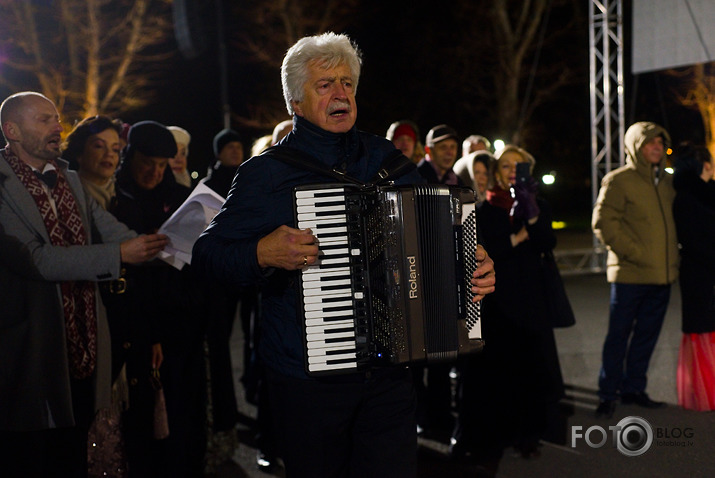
column 520, row 366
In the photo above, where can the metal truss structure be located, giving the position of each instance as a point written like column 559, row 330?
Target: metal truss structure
column 607, row 117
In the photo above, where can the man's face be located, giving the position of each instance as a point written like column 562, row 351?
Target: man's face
column 328, row 98
column 100, row 156
column 148, row 171
column 653, row 150
column 178, row 162
column 37, row 130
column 231, row 154
column 406, row 144
column 443, row 154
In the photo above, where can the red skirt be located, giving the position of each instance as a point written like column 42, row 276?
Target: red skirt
column 696, row 372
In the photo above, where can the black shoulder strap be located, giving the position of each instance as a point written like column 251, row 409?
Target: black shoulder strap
column 394, row 165
column 302, row 160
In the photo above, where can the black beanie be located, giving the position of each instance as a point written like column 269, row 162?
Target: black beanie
column 224, row 137
column 152, row 139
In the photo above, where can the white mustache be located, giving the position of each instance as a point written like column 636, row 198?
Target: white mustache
column 339, row 106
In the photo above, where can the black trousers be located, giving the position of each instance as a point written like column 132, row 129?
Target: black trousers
column 358, row 426
column 56, row 452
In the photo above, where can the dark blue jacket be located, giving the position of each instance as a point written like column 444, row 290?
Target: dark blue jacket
column 259, row 202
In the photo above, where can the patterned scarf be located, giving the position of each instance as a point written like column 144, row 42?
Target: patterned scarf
column 65, row 229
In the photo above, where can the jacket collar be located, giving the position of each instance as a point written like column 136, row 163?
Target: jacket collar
column 19, row 198
column 333, row 149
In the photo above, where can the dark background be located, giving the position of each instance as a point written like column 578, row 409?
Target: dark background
column 410, row 61
column 419, row 64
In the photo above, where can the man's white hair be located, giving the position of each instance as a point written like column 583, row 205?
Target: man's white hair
column 327, row 50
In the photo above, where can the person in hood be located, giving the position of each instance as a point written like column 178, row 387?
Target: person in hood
column 633, row 217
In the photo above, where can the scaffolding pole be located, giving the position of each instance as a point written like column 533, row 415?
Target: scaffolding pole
column 607, row 109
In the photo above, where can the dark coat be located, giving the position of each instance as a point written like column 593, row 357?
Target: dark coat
column 519, row 366
column 220, row 178
column 167, row 306
column 694, row 212
column 429, row 174
column 519, row 298
column 261, row 201
column 137, row 317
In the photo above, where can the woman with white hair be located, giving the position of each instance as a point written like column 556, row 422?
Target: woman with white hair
column 179, row 164
column 473, row 170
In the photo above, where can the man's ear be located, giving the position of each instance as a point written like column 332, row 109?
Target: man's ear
column 11, row 130
column 296, row 108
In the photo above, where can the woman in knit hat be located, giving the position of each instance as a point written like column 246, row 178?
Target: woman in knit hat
column 229, row 154
column 405, row 136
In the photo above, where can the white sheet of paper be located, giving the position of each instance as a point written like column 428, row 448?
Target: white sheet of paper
column 187, row 223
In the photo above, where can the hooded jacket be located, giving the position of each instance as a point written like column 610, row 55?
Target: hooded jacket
column 633, row 215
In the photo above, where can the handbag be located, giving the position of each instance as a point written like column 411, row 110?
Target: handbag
column 106, row 453
column 161, row 419
column 558, row 304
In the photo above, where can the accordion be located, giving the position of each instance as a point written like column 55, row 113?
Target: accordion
column 392, row 281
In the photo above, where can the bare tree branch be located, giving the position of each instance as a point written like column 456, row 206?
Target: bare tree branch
column 90, row 56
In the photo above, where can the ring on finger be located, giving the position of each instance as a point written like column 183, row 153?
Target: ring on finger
column 305, row 261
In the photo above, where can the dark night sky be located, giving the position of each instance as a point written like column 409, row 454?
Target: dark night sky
column 404, row 76
column 405, row 46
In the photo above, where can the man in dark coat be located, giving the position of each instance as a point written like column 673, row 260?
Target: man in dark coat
column 440, row 154
column 359, row 424
column 162, row 326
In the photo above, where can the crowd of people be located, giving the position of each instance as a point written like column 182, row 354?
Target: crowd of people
column 100, row 337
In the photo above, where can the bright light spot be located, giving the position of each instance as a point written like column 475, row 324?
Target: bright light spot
column 498, row 145
column 548, row 179
column 558, row 225
column 668, row 151
column 194, row 174
column 669, row 170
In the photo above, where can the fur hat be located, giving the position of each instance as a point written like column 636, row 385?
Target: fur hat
column 224, row 137
column 181, row 136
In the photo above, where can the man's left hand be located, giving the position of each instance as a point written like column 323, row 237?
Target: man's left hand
column 484, row 278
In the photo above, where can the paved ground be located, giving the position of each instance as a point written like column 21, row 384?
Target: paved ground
column 683, row 442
